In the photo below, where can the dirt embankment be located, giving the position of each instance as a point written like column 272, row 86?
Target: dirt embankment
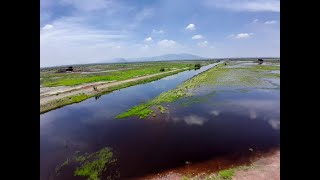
column 50, row 95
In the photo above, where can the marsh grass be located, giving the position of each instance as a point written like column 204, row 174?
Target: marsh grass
column 226, row 174
column 214, row 77
column 49, row 79
column 54, row 104
column 91, row 166
column 161, row 108
column 63, row 102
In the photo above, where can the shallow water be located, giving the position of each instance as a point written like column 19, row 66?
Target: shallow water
column 89, row 125
column 223, row 121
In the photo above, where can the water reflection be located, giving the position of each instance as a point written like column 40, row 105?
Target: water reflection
column 226, row 121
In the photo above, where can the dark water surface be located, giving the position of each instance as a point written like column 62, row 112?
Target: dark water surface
column 224, row 122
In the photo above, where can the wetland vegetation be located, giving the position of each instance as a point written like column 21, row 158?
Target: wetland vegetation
column 224, row 74
column 197, row 115
column 50, row 77
column 90, row 166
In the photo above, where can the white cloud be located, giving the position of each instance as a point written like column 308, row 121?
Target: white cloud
column 71, row 43
column 255, row 21
column 271, row 22
column 246, row 5
column 166, row 43
column 148, row 39
column 47, row 27
column 157, row 32
column 144, row 14
column 198, row 36
column 241, row 35
column 203, row 44
column 87, row 5
column 191, row 27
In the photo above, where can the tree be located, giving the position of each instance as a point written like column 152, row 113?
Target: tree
column 162, row 69
column 197, row 66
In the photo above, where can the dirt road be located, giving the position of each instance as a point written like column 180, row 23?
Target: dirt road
column 46, row 96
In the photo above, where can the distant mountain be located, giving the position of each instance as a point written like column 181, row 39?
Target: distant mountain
column 168, row 57
column 165, row 57
column 119, row 60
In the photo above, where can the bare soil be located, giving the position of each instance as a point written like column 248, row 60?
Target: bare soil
column 265, row 166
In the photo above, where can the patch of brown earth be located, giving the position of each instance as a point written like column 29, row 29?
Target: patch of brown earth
column 266, row 168
column 263, row 166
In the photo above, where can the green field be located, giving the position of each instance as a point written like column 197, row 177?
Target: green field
column 49, row 77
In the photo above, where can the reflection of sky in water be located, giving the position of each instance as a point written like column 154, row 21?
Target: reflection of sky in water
column 190, row 120
column 254, row 104
column 226, row 120
column 90, row 125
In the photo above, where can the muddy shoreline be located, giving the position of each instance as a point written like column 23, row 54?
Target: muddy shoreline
column 261, row 164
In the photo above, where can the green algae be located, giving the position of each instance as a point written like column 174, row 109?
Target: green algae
column 91, row 165
column 161, row 108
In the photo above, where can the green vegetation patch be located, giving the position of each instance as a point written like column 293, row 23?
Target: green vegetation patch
column 141, row 111
column 226, row 174
column 63, row 101
column 119, row 72
column 161, row 108
column 92, row 165
column 54, row 104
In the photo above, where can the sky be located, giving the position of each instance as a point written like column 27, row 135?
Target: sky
column 93, row 31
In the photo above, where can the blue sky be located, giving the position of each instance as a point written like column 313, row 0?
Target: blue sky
column 89, row 31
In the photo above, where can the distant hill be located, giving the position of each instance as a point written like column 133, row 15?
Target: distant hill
column 119, row 60
column 165, row 57
column 168, row 57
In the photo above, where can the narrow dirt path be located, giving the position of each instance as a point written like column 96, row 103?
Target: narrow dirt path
column 88, row 89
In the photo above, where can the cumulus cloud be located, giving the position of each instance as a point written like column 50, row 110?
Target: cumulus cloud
column 241, row 35
column 271, row 22
column 203, row 44
column 166, row 43
column 148, row 40
column 191, row 27
column 70, row 43
column 246, row 5
column 157, row 31
column 47, row 27
column 198, row 36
